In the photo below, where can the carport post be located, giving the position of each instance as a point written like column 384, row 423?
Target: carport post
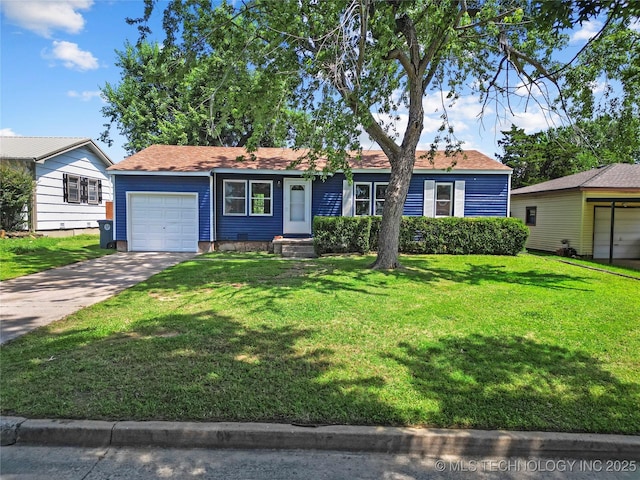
column 613, row 214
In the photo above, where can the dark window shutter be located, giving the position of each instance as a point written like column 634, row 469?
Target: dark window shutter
column 84, row 190
column 65, row 187
column 99, row 191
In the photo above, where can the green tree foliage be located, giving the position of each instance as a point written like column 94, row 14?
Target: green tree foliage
column 366, row 63
column 558, row 152
column 600, row 89
column 604, row 77
column 16, row 190
column 198, row 88
column 357, row 66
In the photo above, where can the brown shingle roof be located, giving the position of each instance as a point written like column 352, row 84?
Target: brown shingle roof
column 179, row 158
column 617, row 175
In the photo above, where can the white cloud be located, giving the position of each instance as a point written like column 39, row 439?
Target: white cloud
column 72, row 57
column 635, row 25
column 44, row 16
column 589, row 29
column 475, row 131
column 84, row 96
column 531, row 121
column 461, row 115
column 7, row 132
column 599, row 86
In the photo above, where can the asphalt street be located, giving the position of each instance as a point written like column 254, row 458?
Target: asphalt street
column 19, row 462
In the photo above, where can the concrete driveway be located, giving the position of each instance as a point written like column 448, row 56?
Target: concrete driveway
column 34, row 300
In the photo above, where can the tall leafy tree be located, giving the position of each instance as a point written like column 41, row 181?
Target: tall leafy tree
column 557, row 152
column 600, row 88
column 603, row 80
column 359, row 65
column 197, row 88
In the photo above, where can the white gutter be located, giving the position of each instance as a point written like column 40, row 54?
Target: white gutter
column 262, row 172
column 160, row 174
column 113, row 202
column 427, row 171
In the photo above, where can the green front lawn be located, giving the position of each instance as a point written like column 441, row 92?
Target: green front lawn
column 450, row 341
column 23, row 256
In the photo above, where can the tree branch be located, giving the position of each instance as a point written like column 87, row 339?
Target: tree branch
column 397, row 54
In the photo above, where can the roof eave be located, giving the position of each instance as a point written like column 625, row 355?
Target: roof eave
column 553, row 190
column 163, row 173
column 81, row 143
column 264, row 171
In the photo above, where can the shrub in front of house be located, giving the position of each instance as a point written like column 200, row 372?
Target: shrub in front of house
column 16, row 189
column 463, row 236
column 341, row 234
column 425, row 235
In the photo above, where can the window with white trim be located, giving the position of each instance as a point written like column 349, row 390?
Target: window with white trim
column 380, row 190
column 93, row 189
column 369, row 197
column 362, row 198
column 77, row 189
column 444, row 199
column 73, row 189
column 235, row 197
column 261, row 197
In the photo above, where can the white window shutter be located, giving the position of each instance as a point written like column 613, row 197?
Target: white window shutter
column 429, row 198
column 347, row 199
column 458, row 207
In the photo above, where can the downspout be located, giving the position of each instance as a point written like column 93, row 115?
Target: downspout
column 509, row 196
column 113, row 204
column 214, row 197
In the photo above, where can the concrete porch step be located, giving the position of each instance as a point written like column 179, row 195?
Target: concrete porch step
column 298, row 251
column 294, row 247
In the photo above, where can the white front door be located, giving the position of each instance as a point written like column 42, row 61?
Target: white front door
column 297, row 206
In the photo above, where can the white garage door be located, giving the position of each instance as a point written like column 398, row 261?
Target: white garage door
column 626, row 233
column 163, row 222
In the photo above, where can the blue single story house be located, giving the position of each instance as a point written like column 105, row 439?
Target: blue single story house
column 188, row 199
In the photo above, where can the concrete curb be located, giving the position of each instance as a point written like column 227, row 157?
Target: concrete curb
column 426, row 442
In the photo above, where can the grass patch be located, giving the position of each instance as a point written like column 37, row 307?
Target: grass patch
column 590, row 263
column 23, row 256
column 631, row 272
column 448, row 341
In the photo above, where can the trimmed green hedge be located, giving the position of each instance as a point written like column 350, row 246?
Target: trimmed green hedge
column 450, row 235
column 341, row 234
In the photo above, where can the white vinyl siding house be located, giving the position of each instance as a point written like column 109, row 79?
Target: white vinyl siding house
column 72, row 185
column 558, row 217
column 579, row 208
column 52, row 211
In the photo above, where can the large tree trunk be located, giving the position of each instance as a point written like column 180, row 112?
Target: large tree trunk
column 389, row 236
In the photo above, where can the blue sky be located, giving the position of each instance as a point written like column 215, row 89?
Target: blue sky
column 56, row 54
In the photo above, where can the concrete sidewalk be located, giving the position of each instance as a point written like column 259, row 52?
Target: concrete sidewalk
column 35, row 300
column 397, row 440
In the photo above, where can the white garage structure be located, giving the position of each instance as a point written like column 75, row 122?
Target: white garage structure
column 162, row 222
column 596, row 212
